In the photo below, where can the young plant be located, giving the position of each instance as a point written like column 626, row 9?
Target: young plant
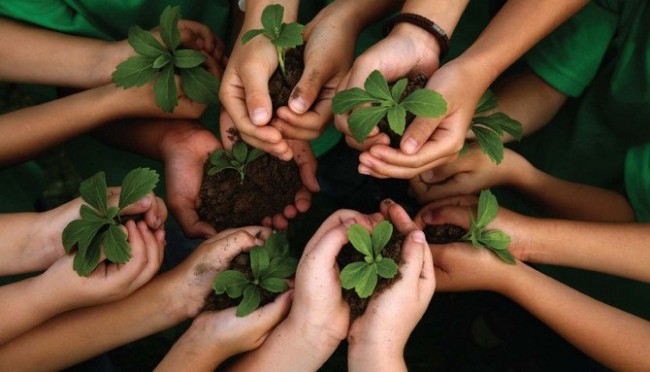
column 270, row 266
column 363, row 276
column 489, row 128
column 238, row 159
column 385, row 102
column 496, row 241
column 160, row 63
column 284, row 36
column 99, row 226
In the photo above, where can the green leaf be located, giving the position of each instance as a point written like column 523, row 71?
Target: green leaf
column 240, row 152
column 363, row 120
column 91, row 215
column 360, row 239
column 93, row 191
column 272, row 17
column 200, row 86
column 251, row 34
column 398, row 88
column 290, row 36
column 506, row 256
column 136, row 185
column 87, row 259
column 377, row 87
column 165, row 89
column 495, row 239
column 259, row 261
column 488, row 207
column 116, row 247
column 231, row 281
column 219, row 155
column 250, row 302
column 487, row 102
column 276, row 244
column 490, row 143
column 112, row 212
column 81, row 233
column 136, row 71
column 397, row 119
column 218, row 168
column 464, row 150
column 387, row 268
column 425, row 102
column 162, row 61
column 169, row 26
column 274, row 285
column 352, row 274
column 348, row 99
column 254, row 154
column 282, row 267
column 188, row 58
column 368, row 281
column 500, row 123
column 144, row 43
column 381, row 234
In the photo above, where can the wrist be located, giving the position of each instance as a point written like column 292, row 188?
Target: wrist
column 376, row 357
column 315, row 341
column 111, row 55
column 425, row 45
column 188, row 136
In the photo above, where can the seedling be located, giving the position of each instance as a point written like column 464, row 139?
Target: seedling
column 489, row 128
column 496, row 241
column 99, row 226
column 363, row 276
column 270, row 266
column 240, row 157
column 284, row 36
column 385, row 102
column 160, row 63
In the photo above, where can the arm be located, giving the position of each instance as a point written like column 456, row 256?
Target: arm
column 168, row 300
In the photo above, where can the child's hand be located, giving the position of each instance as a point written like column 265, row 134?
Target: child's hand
column 215, row 336
column 456, row 211
column 469, row 174
column 109, row 281
column 379, row 336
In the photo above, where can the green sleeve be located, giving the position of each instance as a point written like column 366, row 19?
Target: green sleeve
column 569, row 58
column 637, row 181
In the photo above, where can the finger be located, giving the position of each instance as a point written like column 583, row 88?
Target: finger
column 387, row 169
column 294, row 132
column 228, row 247
column 258, row 100
column 290, row 212
column 315, row 120
column 398, row 216
column 413, row 257
column 141, row 206
column 185, row 211
column 139, row 251
column 305, row 93
column 417, row 134
column 459, row 216
column 459, row 184
column 307, row 164
column 153, row 259
column 271, row 314
column 429, row 156
column 281, row 150
column 326, row 249
column 302, row 200
column 280, row 222
column 340, row 217
column 427, row 276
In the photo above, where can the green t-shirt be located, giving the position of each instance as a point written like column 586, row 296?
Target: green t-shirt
column 637, row 180
column 601, row 56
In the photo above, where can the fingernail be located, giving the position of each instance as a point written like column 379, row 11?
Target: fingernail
column 427, row 176
column 388, row 202
column 158, row 222
column 418, row 236
column 364, row 170
column 349, row 222
column 298, row 105
column 410, row 146
column 259, row 116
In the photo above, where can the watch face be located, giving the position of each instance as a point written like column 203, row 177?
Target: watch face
column 242, row 5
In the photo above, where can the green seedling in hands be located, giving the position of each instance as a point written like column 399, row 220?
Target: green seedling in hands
column 363, row 276
column 270, row 266
column 99, row 226
column 284, row 36
column 240, row 157
column 160, row 63
column 488, row 129
column 496, row 241
column 385, row 102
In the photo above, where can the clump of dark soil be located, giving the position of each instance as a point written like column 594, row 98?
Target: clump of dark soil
column 443, row 234
column 419, row 81
column 241, row 263
column 348, row 255
column 269, row 186
column 279, row 87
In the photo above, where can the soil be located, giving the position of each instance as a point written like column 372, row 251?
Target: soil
column 443, row 234
column 214, row 302
column 270, row 183
column 419, row 81
column 348, row 255
column 269, row 186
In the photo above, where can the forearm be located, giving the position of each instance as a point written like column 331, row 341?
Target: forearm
column 504, row 41
column 618, row 249
column 26, row 133
column 151, row 309
column 369, row 359
column 254, row 9
column 445, row 13
column 69, row 60
column 570, row 200
column 191, row 354
column 17, row 232
column 612, row 337
column 360, row 13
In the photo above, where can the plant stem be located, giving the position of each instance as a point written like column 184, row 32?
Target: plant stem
column 281, row 62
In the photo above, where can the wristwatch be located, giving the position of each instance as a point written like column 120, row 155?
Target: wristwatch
column 242, row 5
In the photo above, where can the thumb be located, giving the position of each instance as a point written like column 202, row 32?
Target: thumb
column 306, row 161
column 271, row 314
column 307, row 90
column 413, row 256
column 417, row 134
